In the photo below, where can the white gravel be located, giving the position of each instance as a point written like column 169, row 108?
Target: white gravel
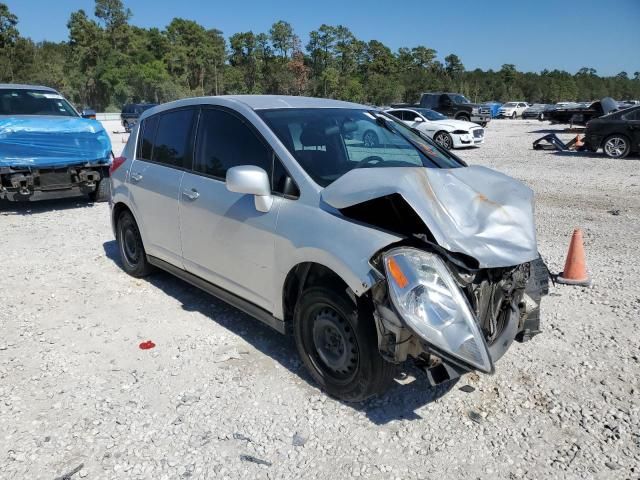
column 222, row 396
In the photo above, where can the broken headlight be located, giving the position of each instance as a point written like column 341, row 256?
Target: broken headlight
column 433, row 306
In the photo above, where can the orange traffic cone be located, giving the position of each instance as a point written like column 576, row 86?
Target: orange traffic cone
column 575, row 268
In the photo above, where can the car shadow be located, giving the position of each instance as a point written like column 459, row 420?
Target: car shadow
column 43, row 206
column 410, row 391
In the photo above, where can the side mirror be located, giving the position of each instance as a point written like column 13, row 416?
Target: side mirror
column 418, row 119
column 251, row 180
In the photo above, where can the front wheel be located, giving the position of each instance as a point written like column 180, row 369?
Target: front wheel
column 102, row 191
column 464, row 118
column 513, row 116
column 444, row 140
column 616, row 146
column 370, row 139
column 338, row 344
column 132, row 253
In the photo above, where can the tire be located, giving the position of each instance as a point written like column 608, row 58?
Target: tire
column 464, row 118
column 132, row 254
column 483, row 124
column 616, row 146
column 102, row 193
column 127, row 127
column 370, row 139
column 337, row 341
column 513, row 116
column 444, row 140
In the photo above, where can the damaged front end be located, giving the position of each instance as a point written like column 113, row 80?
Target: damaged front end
column 450, row 318
column 467, row 279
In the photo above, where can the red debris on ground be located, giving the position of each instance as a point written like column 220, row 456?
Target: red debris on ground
column 147, row 345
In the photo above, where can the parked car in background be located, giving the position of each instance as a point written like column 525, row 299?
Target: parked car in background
column 512, row 110
column 89, row 113
column 456, row 106
column 369, row 255
column 47, row 150
column 494, row 108
column 536, row 111
column 446, row 132
column 581, row 113
column 618, row 134
column 131, row 112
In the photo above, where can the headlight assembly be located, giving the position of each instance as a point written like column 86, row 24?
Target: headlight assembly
column 430, row 302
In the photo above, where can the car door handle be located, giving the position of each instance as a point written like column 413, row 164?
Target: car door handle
column 136, row 177
column 191, row 194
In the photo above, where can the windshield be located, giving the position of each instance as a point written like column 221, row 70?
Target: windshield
column 430, row 114
column 460, row 99
column 510, row 105
column 328, row 142
column 34, row 102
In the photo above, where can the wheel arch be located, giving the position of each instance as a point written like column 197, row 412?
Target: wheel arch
column 307, row 274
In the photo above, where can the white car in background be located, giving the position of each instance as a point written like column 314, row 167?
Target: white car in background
column 512, row 110
column 446, row 132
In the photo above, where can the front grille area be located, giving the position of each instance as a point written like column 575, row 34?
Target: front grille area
column 478, row 133
column 484, row 110
column 54, row 179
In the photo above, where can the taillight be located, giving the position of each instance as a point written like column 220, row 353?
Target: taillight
column 116, row 164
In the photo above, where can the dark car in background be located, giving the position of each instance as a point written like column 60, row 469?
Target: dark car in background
column 456, row 105
column 580, row 114
column 537, row 111
column 47, row 150
column 131, row 112
column 618, row 134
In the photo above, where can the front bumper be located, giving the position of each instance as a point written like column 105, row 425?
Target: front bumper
column 27, row 185
column 467, row 140
column 480, row 118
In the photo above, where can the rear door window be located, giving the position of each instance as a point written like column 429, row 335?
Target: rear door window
column 147, row 137
column 172, row 144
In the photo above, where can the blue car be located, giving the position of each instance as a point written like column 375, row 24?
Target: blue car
column 494, row 107
column 47, row 150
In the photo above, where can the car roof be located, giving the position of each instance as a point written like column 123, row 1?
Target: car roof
column 256, row 102
column 19, row 86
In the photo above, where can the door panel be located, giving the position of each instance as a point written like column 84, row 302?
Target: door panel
column 226, row 241
column 154, row 194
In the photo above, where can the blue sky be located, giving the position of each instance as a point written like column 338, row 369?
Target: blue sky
column 565, row 34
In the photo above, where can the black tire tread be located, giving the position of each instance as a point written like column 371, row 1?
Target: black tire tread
column 361, row 318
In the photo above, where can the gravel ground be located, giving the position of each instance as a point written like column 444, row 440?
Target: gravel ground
column 222, row 396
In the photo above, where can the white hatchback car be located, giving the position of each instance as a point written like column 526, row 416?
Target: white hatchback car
column 368, row 255
column 446, row 132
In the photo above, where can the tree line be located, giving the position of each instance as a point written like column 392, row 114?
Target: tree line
column 107, row 62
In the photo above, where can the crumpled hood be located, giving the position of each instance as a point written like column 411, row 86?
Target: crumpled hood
column 48, row 141
column 472, row 210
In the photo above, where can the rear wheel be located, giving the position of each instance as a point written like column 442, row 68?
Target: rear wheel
column 338, row 344
column 444, row 140
column 132, row 253
column 616, row 146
